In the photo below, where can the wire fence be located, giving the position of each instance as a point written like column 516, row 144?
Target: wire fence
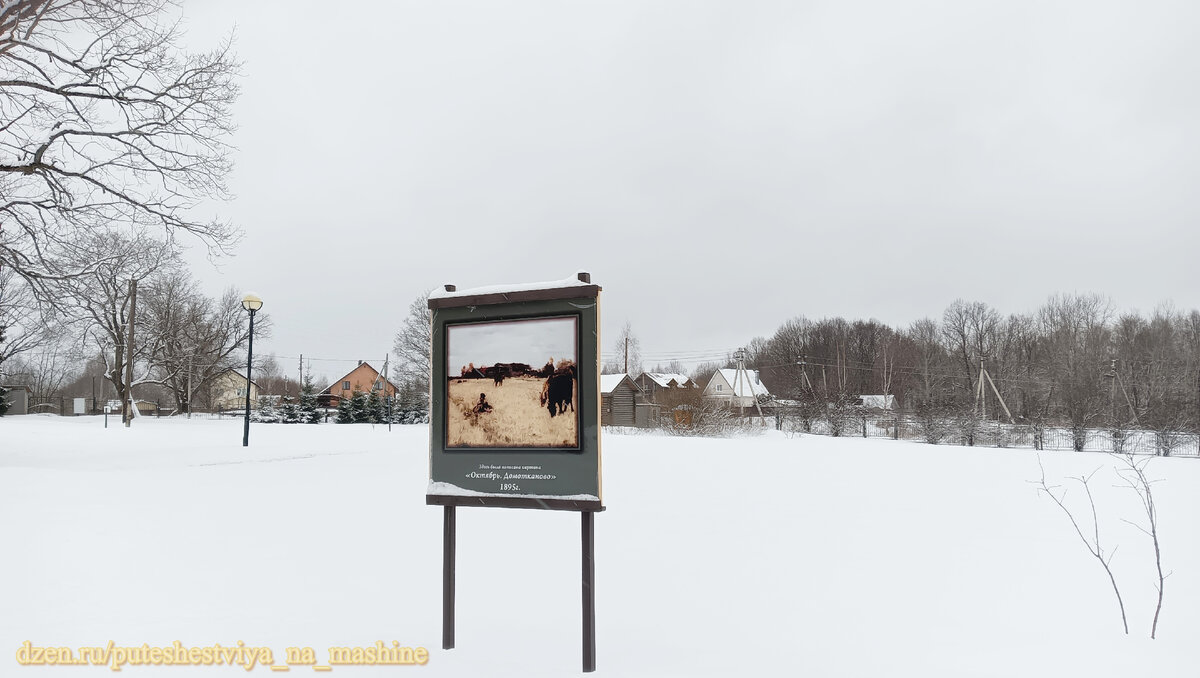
column 895, row 426
column 998, row 434
column 67, row 407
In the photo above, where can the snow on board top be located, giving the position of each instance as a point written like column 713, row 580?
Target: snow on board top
column 574, row 281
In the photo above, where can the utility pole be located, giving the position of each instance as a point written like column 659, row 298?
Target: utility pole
column 127, row 415
column 1132, row 410
column 627, row 355
column 1112, row 396
column 191, row 355
column 741, row 375
column 981, row 394
column 387, row 383
column 301, row 377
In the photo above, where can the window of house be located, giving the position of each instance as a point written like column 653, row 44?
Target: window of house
column 718, row 387
column 346, row 385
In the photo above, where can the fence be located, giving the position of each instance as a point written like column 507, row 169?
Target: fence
column 997, row 434
column 68, row 407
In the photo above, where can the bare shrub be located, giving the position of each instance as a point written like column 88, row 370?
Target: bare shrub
column 1133, row 473
column 713, row 420
column 931, row 423
column 1093, row 546
column 967, row 423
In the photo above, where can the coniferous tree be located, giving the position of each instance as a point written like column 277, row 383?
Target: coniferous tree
column 289, row 413
column 358, row 408
column 266, row 412
column 376, row 407
column 309, row 414
column 345, row 411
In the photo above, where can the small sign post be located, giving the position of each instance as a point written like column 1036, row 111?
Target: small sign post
column 515, row 415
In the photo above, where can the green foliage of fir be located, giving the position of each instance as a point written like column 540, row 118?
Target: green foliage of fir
column 309, row 414
column 358, row 408
column 266, row 412
column 345, row 411
column 289, row 412
column 376, row 406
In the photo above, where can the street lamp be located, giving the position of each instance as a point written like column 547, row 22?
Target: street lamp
column 251, row 303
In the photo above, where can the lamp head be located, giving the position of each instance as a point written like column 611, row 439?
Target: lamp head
column 251, row 302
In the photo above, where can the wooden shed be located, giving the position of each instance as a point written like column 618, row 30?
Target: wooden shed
column 619, row 400
column 18, row 398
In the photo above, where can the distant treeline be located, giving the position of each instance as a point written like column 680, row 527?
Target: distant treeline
column 1075, row 362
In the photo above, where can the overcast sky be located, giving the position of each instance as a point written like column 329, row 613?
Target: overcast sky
column 532, row 342
column 719, row 167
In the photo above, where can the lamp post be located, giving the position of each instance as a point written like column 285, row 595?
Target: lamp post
column 251, row 303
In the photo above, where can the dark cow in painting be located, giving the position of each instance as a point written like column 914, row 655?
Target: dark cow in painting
column 498, row 374
column 559, row 390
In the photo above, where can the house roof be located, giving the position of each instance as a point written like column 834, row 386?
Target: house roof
column 747, row 388
column 608, row 382
column 879, row 402
column 239, row 373
column 327, row 389
column 664, row 378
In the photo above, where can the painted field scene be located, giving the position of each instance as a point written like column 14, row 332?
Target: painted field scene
column 512, row 384
column 515, row 418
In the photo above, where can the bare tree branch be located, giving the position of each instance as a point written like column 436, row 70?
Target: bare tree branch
column 1133, row 473
column 106, row 120
column 1093, row 546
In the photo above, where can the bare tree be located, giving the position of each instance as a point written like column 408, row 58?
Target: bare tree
column 22, row 326
column 929, row 371
column 100, row 301
column 195, row 336
column 271, row 378
column 413, row 346
column 969, row 329
column 672, row 367
column 703, row 372
column 47, row 369
column 1077, row 333
column 106, row 120
column 626, row 355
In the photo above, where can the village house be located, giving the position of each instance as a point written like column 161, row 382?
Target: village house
column 622, row 402
column 735, row 391
column 877, row 403
column 362, row 378
column 657, row 386
column 228, row 391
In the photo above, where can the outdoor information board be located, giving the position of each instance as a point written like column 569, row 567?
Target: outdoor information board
column 515, row 415
column 515, row 407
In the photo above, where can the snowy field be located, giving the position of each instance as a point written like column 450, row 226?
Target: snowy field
column 765, row 556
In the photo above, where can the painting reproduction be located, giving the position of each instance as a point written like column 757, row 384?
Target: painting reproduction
column 512, row 384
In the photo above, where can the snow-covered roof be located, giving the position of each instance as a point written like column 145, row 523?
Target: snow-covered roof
column 749, row 386
column 879, row 402
column 573, row 281
column 664, row 378
column 608, row 382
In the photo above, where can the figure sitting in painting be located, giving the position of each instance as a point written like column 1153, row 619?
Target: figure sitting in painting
column 483, row 405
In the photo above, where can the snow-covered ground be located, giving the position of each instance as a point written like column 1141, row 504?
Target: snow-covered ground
column 754, row 556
